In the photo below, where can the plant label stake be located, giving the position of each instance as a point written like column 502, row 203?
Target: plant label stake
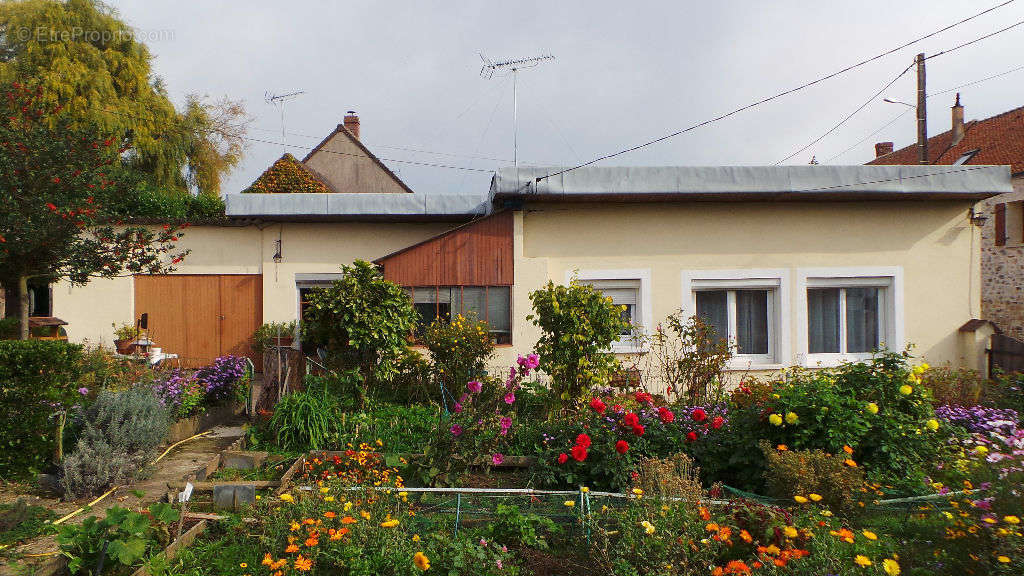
column 184, row 496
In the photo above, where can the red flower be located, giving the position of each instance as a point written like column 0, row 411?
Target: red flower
column 643, row 397
column 579, row 453
column 563, row 458
column 597, row 406
column 621, row 446
column 666, row 415
column 691, row 436
column 583, row 440
column 51, row 206
column 699, row 415
column 630, row 420
column 617, row 408
column 717, row 422
column 638, row 430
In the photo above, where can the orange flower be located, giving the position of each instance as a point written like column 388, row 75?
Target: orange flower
column 309, row 521
column 329, row 514
column 310, row 542
column 782, row 447
column 711, row 527
column 348, row 520
column 704, row 514
column 268, row 560
column 303, row 564
column 746, row 537
column 291, row 549
column 847, row 449
column 850, row 463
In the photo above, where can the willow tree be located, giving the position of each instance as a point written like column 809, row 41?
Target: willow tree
column 89, row 62
column 64, row 194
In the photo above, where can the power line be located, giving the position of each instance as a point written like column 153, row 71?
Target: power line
column 906, row 111
column 979, row 39
column 776, row 96
column 848, row 116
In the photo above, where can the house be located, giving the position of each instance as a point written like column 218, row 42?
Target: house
column 799, row 265
column 995, row 140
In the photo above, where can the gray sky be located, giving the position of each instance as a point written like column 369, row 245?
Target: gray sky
column 625, row 72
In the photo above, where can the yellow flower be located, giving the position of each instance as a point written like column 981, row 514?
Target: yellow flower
column 287, row 498
column 1011, row 520
column 869, row 535
column 648, row 527
column 324, row 490
column 1004, row 559
column 415, row 537
column 347, row 506
column 294, row 526
column 421, row 561
column 872, row 408
column 389, row 523
column 891, row 567
column 815, row 497
column 791, row 418
column 826, row 513
column 800, row 499
column 328, row 498
column 906, row 389
column 569, row 503
column 980, row 449
column 775, row 420
column 790, row 532
column 932, row 424
column 243, row 565
column 638, row 492
column 584, row 489
column 862, row 560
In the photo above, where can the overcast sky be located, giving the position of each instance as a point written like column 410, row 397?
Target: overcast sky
column 624, row 73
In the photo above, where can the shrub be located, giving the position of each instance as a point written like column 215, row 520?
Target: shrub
column 124, row 537
column 459, row 350
column 304, row 421
column 187, row 393
column 119, row 432
column 961, row 386
column 267, row 334
column 674, row 476
column 38, row 380
column 160, row 207
column 400, row 428
column 578, row 326
column 221, row 379
column 363, row 320
column 687, row 358
column 1006, row 391
column 514, row 528
column 791, row 473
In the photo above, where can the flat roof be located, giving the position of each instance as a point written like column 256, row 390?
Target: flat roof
column 355, row 207
column 767, row 183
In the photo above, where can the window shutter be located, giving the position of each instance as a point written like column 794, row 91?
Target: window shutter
column 1000, row 224
column 621, row 295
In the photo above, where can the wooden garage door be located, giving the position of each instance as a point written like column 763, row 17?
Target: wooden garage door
column 201, row 316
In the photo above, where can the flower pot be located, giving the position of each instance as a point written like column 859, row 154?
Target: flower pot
column 124, row 346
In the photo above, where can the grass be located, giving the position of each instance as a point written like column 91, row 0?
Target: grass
column 272, row 470
column 20, row 523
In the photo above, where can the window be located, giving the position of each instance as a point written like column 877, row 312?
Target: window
column 39, row 300
column 304, row 286
column 625, row 293
column 848, row 313
column 749, row 308
column 492, row 304
column 630, row 288
column 744, row 317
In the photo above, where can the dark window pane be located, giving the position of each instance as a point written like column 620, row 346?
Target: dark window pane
column 474, row 302
column 822, row 320
column 862, row 319
column 713, row 309
column 751, row 321
column 446, row 296
column 628, row 315
column 499, row 305
column 424, row 301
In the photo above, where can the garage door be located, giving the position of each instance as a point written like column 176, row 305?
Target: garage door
column 201, row 316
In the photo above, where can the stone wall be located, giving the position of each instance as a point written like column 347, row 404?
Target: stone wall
column 1002, row 269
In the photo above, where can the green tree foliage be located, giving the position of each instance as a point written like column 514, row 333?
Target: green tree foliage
column 64, row 194
column 578, row 327
column 363, row 320
column 89, row 62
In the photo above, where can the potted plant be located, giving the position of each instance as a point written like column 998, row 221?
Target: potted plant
column 273, row 334
column 124, row 337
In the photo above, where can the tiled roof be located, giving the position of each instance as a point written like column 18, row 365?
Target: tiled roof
column 287, row 176
column 999, row 141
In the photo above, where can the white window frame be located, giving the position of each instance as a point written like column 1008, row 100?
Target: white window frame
column 891, row 309
column 776, row 281
column 303, row 280
column 630, row 345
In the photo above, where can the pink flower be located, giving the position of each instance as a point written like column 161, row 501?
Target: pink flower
column 474, row 387
column 505, row 424
column 456, row 430
column 83, row 391
column 510, row 398
column 458, row 408
column 533, row 360
column 497, row 458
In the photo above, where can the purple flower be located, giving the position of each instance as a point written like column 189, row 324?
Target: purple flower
column 510, row 398
column 497, row 458
column 83, row 391
column 474, row 387
column 456, row 430
column 458, row 408
column 505, row 424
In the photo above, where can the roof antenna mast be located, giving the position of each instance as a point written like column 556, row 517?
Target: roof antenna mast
column 279, row 100
column 503, row 68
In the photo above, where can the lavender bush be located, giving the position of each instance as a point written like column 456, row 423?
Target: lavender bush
column 188, row 393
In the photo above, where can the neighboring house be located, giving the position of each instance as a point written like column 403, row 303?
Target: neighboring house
column 799, row 265
column 995, row 140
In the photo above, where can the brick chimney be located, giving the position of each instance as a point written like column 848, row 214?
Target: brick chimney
column 883, row 148
column 352, row 123
column 958, row 121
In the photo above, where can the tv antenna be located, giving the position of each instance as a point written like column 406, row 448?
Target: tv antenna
column 279, row 100
column 513, row 66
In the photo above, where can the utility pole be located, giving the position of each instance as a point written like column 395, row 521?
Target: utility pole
column 922, row 112
column 514, row 66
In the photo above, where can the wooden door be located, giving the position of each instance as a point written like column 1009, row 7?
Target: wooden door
column 201, row 316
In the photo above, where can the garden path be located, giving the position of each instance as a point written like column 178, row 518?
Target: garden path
column 152, row 487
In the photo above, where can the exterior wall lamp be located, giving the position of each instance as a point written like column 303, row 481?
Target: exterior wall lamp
column 977, row 218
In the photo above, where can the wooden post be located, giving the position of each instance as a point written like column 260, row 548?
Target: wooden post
column 922, row 112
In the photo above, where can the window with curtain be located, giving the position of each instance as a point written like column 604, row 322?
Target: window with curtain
column 492, row 304
column 744, row 317
column 845, row 320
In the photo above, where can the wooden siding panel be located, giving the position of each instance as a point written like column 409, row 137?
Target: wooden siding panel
column 241, row 313
column 478, row 254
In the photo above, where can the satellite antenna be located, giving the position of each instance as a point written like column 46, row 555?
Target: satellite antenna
column 501, row 68
column 279, row 100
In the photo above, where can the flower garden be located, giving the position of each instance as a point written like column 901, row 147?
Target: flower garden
column 571, row 460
